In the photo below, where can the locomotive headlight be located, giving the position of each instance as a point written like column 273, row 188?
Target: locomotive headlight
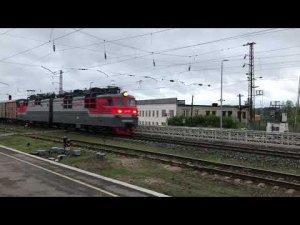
column 125, row 93
column 119, row 111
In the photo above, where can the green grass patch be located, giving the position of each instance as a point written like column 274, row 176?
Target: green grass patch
column 20, row 143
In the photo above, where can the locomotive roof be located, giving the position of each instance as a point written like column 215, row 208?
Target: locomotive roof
column 116, row 95
column 97, row 96
column 110, row 91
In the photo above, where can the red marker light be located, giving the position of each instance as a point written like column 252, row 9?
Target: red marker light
column 134, row 111
column 119, row 111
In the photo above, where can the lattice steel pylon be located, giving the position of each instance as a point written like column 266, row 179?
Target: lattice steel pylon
column 61, row 82
column 297, row 105
column 251, row 85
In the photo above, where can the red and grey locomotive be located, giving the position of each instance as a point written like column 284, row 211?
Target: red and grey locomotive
column 95, row 109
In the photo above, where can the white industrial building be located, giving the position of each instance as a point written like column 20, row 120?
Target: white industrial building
column 155, row 112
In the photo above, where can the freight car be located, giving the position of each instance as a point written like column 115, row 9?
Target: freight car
column 8, row 111
column 93, row 109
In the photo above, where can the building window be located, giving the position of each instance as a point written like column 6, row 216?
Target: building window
column 224, row 113
column 185, row 112
column 149, row 113
column 275, row 128
column 163, row 124
column 244, row 115
column 153, row 113
column 142, row 113
column 207, row 113
column 152, row 123
column 146, row 113
column 163, row 113
column 229, row 113
column 157, row 113
column 171, row 112
column 213, row 112
column 156, row 123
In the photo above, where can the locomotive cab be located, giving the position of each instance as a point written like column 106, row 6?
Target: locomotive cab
column 124, row 108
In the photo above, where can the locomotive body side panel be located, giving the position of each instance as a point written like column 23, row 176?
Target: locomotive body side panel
column 35, row 111
column 100, row 115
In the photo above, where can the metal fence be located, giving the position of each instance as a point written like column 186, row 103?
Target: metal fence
column 227, row 135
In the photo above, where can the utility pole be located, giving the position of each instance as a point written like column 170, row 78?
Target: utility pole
column 240, row 108
column 60, row 78
column 192, row 106
column 221, row 99
column 60, row 82
column 297, row 105
column 251, row 87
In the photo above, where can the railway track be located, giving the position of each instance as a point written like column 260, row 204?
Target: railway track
column 213, row 146
column 285, row 180
column 223, row 147
column 207, row 145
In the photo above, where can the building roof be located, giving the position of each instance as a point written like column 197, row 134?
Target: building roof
column 157, row 101
column 218, row 106
column 180, row 103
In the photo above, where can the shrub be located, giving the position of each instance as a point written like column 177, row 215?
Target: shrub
column 203, row 121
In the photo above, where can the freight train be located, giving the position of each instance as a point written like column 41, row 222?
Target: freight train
column 105, row 109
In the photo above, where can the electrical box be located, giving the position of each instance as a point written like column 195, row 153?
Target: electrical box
column 284, row 117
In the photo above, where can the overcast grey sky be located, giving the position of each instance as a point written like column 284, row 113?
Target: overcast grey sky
column 130, row 62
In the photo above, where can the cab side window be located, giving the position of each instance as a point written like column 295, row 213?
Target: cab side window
column 109, row 102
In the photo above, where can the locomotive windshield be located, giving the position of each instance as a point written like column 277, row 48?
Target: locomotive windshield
column 119, row 102
column 131, row 102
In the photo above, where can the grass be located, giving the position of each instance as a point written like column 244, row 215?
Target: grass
column 260, row 163
column 20, row 143
column 166, row 179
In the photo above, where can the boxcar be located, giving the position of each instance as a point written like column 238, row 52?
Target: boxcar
column 11, row 110
column 2, row 110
